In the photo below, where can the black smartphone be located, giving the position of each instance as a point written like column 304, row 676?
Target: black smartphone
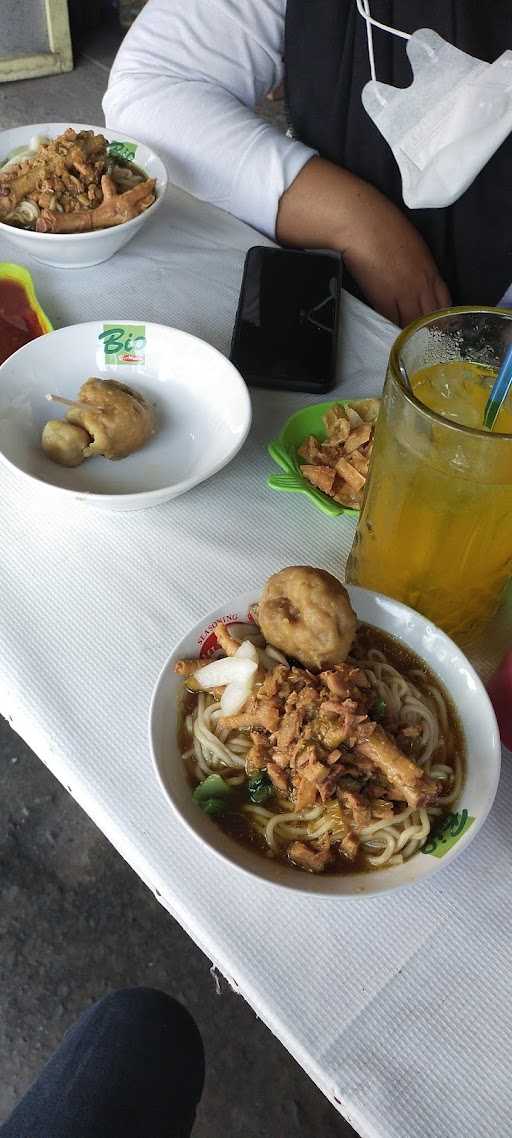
column 286, row 328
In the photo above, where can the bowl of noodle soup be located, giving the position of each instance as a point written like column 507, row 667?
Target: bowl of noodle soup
column 130, row 161
column 429, row 689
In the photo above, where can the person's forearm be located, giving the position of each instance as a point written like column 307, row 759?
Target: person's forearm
column 326, row 207
column 320, row 207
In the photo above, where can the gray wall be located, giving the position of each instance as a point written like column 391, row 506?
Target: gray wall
column 22, row 27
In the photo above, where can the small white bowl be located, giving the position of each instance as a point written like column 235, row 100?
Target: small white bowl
column 483, row 752
column 201, row 402
column 81, row 250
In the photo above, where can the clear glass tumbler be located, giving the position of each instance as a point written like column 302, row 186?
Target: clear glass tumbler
column 435, row 529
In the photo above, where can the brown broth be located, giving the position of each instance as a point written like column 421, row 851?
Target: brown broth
column 236, row 824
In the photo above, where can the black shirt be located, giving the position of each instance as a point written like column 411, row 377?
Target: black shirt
column 327, row 66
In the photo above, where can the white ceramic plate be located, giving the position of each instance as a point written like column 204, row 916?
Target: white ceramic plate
column 483, row 752
column 201, row 402
column 80, row 250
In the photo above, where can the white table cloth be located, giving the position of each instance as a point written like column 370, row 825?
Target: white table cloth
column 398, row 1007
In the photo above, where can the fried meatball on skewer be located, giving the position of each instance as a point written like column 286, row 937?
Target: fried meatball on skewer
column 119, row 422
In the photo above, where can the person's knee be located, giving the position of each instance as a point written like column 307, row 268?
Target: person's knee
column 144, row 1003
column 137, row 1013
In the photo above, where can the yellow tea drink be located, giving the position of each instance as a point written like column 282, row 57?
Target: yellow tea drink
column 458, row 390
column 435, row 530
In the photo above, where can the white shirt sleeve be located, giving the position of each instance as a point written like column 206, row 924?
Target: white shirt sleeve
column 186, row 80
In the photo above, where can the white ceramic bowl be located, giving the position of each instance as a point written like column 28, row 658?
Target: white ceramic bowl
column 80, row 250
column 202, row 406
column 483, row 751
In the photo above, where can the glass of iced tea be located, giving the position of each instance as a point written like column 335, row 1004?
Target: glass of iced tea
column 435, row 529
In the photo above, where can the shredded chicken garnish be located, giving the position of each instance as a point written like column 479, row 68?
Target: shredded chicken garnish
column 315, row 737
column 225, row 640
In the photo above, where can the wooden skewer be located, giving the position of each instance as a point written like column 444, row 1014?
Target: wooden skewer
column 75, row 403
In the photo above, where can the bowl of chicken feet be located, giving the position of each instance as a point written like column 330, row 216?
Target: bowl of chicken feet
column 72, row 195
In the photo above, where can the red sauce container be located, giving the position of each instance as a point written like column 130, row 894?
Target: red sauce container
column 21, row 315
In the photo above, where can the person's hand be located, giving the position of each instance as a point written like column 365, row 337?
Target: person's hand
column 390, row 260
column 326, row 207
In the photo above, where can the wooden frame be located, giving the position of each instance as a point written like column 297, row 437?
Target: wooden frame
column 60, row 56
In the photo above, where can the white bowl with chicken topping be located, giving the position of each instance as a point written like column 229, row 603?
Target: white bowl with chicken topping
column 69, row 191
column 154, row 411
column 179, row 746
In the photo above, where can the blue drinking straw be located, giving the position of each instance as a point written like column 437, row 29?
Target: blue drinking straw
column 500, row 390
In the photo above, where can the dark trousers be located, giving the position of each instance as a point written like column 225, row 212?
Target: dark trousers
column 132, row 1067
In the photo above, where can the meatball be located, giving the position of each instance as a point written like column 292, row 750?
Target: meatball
column 120, row 420
column 306, row 613
column 64, row 442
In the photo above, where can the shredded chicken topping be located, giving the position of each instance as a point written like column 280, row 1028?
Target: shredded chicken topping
column 315, row 737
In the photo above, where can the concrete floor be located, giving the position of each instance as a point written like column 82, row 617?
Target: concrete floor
column 75, row 921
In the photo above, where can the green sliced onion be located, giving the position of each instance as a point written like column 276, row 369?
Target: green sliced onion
column 379, row 708
column 213, row 795
column 259, row 787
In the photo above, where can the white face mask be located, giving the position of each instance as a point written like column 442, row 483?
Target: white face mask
column 448, row 123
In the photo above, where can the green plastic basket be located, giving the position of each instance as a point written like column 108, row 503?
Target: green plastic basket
column 308, row 421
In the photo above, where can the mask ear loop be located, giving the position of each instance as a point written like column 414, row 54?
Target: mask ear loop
column 363, row 7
